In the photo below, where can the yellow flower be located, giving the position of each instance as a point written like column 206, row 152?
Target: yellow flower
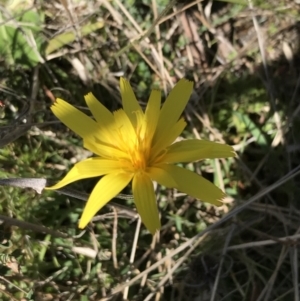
column 133, row 145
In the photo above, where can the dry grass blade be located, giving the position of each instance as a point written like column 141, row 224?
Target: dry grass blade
column 279, row 137
column 288, row 240
column 143, row 35
column 177, row 265
column 132, row 254
column 295, row 271
column 224, row 251
column 114, row 240
column 30, row 226
column 265, row 294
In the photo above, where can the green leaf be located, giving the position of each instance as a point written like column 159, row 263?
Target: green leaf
column 69, row 37
column 21, row 44
column 244, row 123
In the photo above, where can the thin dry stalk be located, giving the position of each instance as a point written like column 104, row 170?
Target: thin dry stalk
column 159, row 45
column 177, row 265
column 132, row 254
column 31, row 226
column 149, row 262
column 224, row 251
column 147, row 43
column 114, row 239
column 279, row 138
column 269, row 287
column 254, row 244
column 295, row 272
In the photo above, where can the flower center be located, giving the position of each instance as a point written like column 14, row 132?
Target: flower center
column 134, row 142
column 139, row 154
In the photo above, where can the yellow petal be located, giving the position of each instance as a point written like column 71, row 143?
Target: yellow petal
column 106, row 189
column 152, row 113
column 74, row 119
column 161, row 176
column 125, row 136
column 130, row 103
column 92, row 167
column 167, row 138
column 194, row 150
column 81, row 124
column 103, row 149
column 173, row 107
column 99, row 111
column 104, row 118
column 194, row 185
column 145, row 201
column 124, row 126
column 99, row 147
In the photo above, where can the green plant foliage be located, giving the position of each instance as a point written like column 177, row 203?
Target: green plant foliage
column 68, row 37
column 21, row 38
column 245, row 125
